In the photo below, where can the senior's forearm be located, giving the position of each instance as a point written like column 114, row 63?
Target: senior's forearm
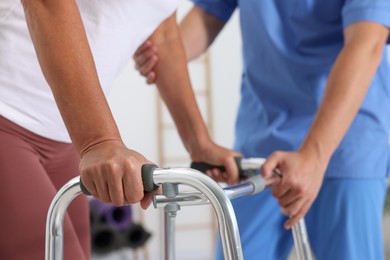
column 174, row 85
column 198, row 30
column 346, row 88
column 65, row 57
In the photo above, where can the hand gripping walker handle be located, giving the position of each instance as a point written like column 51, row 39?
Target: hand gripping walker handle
column 147, row 179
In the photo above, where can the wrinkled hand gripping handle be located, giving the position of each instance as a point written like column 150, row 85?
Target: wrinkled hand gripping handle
column 147, row 179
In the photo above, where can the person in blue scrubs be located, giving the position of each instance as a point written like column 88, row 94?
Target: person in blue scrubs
column 315, row 100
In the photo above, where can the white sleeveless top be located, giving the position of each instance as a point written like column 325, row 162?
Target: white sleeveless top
column 115, row 28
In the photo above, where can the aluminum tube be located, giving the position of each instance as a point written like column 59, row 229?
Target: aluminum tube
column 300, row 236
column 197, row 198
column 182, row 199
column 169, row 236
column 228, row 228
column 54, row 223
column 239, row 190
column 301, row 241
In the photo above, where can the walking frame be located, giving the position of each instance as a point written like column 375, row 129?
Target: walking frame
column 207, row 192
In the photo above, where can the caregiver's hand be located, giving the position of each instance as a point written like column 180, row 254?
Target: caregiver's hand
column 302, row 176
column 145, row 60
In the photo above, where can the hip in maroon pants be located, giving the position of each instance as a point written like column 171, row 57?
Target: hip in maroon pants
column 32, row 170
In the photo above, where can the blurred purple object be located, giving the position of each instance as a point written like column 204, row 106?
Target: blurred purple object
column 118, row 218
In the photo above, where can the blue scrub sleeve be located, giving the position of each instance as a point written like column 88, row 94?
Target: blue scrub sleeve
column 221, row 9
column 366, row 10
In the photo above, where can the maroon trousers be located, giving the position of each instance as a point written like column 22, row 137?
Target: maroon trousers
column 32, row 170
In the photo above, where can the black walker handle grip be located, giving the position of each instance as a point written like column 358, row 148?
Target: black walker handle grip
column 147, row 171
column 203, row 167
column 147, row 179
column 83, row 189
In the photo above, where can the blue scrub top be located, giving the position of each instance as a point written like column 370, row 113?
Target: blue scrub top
column 289, row 48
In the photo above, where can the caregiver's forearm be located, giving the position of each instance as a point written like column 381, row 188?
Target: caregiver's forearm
column 348, row 83
column 174, row 85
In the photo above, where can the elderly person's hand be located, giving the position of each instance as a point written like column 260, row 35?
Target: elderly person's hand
column 112, row 173
column 214, row 154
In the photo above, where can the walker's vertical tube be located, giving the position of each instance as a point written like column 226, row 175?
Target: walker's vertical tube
column 169, row 236
column 228, row 228
column 301, row 241
column 54, row 224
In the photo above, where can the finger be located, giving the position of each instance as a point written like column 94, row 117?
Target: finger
column 102, row 190
column 274, row 180
column 281, row 189
column 270, row 164
column 143, row 47
column 148, row 67
column 287, row 199
column 298, row 216
column 147, row 200
column 231, row 170
column 217, row 175
column 144, row 56
column 151, row 78
column 89, row 185
column 116, row 191
column 296, row 189
column 132, row 185
column 294, row 207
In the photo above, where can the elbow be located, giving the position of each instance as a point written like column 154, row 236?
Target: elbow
column 368, row 38
column 376, row 45
column 32, row 4
column 375, row 50
column 166, row 32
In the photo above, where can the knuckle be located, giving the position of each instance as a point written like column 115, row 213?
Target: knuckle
column 111, row 172
column 130, row 166
column 277, row 154
column 300, row 189
column 293, row 211
column 284, row 211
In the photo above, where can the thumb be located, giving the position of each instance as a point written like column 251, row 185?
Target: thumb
column 231, row 170
column 270, row 164
column 147, row 200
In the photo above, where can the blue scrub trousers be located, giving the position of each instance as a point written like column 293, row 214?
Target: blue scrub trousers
column 344, row 222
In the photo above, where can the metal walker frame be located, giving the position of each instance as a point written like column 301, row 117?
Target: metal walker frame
column 209, row 192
